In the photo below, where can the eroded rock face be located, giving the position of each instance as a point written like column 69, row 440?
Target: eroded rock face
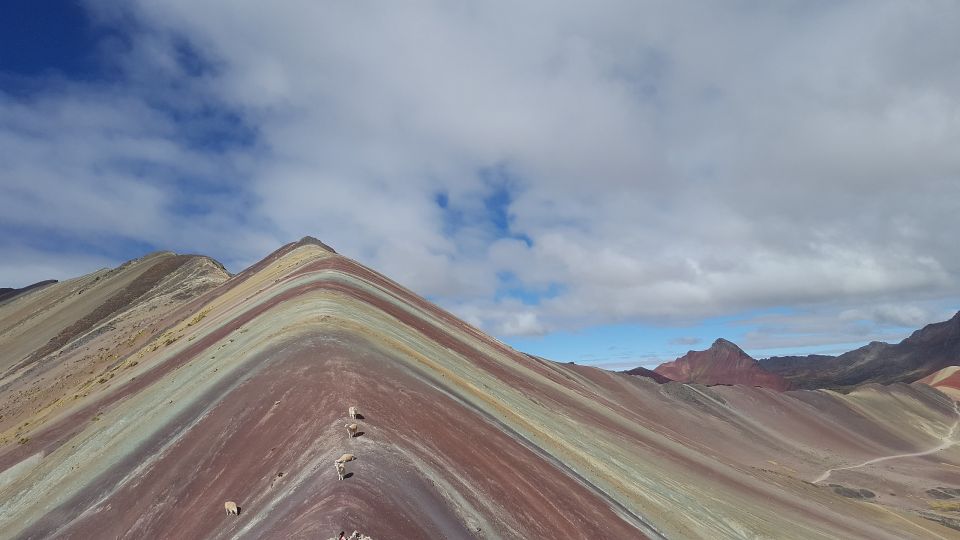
column 722, row 363
column 648, row 373
column 852, row 493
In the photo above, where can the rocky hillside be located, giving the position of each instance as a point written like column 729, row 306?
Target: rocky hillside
column 947, row 380
column 8, row 293
column 137, row 401
column 648, row 373
column 58, row 341
column 926, row 351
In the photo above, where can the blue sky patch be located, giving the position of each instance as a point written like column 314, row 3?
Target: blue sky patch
column 116, row 247
column 499, row 188
column 511, row 287
column 51, row 37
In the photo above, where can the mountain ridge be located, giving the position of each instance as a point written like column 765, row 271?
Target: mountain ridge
column 9, row 293
column 924, row 351
column 238, row 389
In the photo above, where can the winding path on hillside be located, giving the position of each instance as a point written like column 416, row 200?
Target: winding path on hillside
column 947, row 442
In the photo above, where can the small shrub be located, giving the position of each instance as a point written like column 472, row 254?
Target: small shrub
column 945, row 506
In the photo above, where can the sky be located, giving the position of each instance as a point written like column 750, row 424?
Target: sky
column 606, row 182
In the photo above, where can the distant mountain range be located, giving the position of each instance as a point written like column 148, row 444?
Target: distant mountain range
column 926, row 351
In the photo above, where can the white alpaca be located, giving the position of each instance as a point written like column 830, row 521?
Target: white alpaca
column 341, row 470
column 231, row 508
column 345, row 458
column 352, row 429
column 353, row 413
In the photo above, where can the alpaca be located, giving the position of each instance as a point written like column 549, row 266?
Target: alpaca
column 352, row 429
column 345, row 458
column 231, row 508
column 353, row 411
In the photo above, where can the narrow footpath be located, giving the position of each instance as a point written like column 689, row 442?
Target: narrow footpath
column 947, row 439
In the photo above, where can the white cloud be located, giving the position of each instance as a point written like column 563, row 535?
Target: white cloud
column 903, row 315
column 666, row 162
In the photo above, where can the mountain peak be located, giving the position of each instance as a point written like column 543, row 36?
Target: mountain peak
column 723, row 363
column 721, row 343
column 311, row 241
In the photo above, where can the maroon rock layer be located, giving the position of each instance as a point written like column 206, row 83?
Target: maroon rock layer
column 947, row 380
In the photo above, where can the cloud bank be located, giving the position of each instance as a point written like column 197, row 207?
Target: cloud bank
column 533, row 167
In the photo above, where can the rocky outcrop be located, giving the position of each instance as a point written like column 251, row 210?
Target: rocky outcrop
column 648, row 373
column 723, row 363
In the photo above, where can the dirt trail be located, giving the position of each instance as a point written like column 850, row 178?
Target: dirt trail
column 947, row 443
